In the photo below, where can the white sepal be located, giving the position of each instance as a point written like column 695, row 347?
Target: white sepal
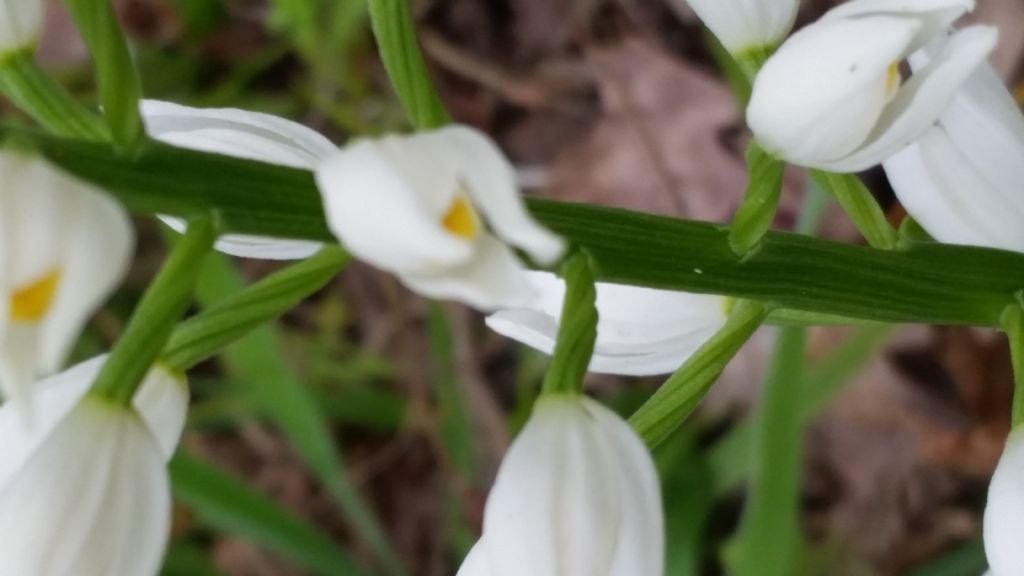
column 418, row 206
column 832, row 97
column 64, row 247
column 1004, row 513
column 743, row 25
column 21, row 24
column 242, row 134
column 640, row 331
column 577, row 495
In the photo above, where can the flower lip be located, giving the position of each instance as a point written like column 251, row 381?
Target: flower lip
column 29, row 304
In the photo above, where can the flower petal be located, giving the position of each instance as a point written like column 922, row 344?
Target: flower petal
column 1004, row 513
column 21, row 24
column 919, row 103
column 935, row 15
column 746, row 24
column 491, row 182
column 475, row 563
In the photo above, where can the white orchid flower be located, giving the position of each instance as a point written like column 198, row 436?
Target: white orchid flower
column 640, row 331
column 419, row 206
column 1004, row 513
column 577, row 495
column 832, row 97
column 21, row 24
column 64, row 247
column 83, row 484
column 242, row 134
column 962, row 179
column 744, row 25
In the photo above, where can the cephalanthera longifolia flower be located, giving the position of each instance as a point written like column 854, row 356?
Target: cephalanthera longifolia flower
column 243, row 134
column 417, row 205
column 83, row 483
column 577, row 495
column 833, row 98
column 21, row 23
column 1004, row 513
column 64, row 246
column 743, row 25
column 640, row 331
column 962, row 179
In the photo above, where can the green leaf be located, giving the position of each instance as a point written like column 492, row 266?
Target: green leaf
column 119, row 85
column 860, row 206
column 38, row 95
column 966, row 560
column 229, row 505
column 393, row 27
column 187, row 560
column 924, row 283
column 761, row 202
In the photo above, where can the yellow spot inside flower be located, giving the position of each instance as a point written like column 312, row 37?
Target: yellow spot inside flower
column 893, row 79
column 461, row 219
column 30, row 303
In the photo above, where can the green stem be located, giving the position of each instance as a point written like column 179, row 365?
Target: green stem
column 761, row 201
column 36, row 93
column 770, row 532
column 118, row 81
column 1013, row 326
column 206, row 333
column 577, row 330
column 683, row 391
column 155, row 316
column 860, row 206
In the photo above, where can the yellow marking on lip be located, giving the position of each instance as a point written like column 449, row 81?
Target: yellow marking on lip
column 30, row 303
column 893, row 78
column 461, row 219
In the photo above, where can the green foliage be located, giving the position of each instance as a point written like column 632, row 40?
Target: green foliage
column 577, row 330
column 755, row 215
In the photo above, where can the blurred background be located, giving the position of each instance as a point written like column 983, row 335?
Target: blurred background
column 369, row 423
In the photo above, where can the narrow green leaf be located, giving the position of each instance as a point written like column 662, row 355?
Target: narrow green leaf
column 38, row 95
column 455, row 421
column 186, row 560
column 966, row 560
column 1013, row 325
column 119, row 85
column 577, row 328
column 229, row 505
column 761, row 202
column 860, row 206
column 395, row 31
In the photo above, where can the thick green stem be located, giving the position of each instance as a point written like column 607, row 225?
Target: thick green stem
column 36, row 93
column 683, row 391
column 860, row 206
column 577, row 330
column 1013, row 326
column 155, row 316
column 206, row 333
column 761, row 202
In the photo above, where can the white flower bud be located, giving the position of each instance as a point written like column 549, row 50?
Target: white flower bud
column 1004, row 513
column 83, row 483
column 21, row 24
column 577, row 495
column 64, row 247
column 417, row 205
column 832, row 96
column 640, row 331
column 742, row 25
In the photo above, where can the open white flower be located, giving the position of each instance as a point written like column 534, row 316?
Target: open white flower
column 242, row 134
column 64, row 247
column 417, row 205
column 83, row 483
column 1004, row 513
column 577, row 495
column 21, row 24
column 832, row 97
column 962, row 180
column 743, row 25
column 640, row 331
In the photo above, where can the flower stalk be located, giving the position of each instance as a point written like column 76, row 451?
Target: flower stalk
column 156, row 315
column 1013, row 326
column 578, row 330
column 860, row 206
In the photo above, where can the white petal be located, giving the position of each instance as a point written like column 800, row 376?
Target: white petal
column 492, row 278
column 162, row 401
column 919, row 103
column 935, row 15
column 92, row 500
column 475, row 563
column 640, row 331
column 491, row 182
column 1004, row 513
column 819, row 96
column 21, row 24
column 376, row 212
column 555, row 510
column 746, row 24
column 242, row 134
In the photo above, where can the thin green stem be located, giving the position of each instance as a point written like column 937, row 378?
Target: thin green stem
column 761, row 201
column 206, row 333
column 39, row 96
column 155, row 316
column 683, row 391
column 860, row 206
column 577, row 330
column 1013, row 326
